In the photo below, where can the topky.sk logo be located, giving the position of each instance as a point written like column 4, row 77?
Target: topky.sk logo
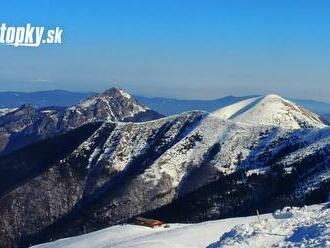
column 29, row 36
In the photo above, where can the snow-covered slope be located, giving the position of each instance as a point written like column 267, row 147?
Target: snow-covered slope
column 260, row 151
column 271, row 110
column 304, row 227
column 229, row 111
column 289, row 227
column 111, row 105
column 5, row 111
column 168, row 106
column 177, row 235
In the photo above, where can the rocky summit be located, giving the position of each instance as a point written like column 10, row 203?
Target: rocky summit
column 27, row 124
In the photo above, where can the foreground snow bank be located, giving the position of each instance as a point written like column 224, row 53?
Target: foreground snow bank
column 304, row 227
column 176, row 236
column 296, row 227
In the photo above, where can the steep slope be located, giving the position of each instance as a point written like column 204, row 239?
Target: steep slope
column 189, row 167
column 26, row 163
column 229, row 111
column 111, row 105
column 104, row 162
column 27, row 124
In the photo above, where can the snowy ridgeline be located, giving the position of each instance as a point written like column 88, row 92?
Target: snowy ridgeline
column 304, row 227
column 5, row 111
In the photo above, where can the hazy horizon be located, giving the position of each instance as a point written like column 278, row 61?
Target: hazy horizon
column 166, row 97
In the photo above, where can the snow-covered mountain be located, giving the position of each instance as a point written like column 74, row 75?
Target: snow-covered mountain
column 263, row 153
column 270, row 110
column 112, row 105
column 165, row 106
column 170, row 106
column 28, row 124
column 290, row 227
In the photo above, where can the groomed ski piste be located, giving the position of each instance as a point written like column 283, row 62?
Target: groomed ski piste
column 308, row 226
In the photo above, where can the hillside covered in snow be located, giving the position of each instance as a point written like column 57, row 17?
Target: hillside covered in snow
column 261, row 153
column 289, row 227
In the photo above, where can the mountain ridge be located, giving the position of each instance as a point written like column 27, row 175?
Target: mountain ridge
column 27, row 124
column 270, row 109
column 163, row 105
column 182, row 167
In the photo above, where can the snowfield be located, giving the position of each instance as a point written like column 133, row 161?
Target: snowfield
column 290, row 227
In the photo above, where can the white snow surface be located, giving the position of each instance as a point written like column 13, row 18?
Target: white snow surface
column 125, row 94
column 231, row 110
column 270, row 110
column 290, row 227
column 5, row 111
column 239, row 140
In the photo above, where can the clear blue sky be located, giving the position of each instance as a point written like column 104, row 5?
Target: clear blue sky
column 179, row 48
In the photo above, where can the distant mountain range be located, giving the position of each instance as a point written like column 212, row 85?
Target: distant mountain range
column 39, row 99
column 27, row 124
column 165, row 106
column 261, row 152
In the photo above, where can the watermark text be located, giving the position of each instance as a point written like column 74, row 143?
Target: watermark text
column 29, row 36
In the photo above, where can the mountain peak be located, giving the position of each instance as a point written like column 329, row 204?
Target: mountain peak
column 114, row 104
column 115, row 91
column 270, row 110
column 26, row 106
column 29, row 124
column 113, row 97
column 112, row 94
column 273, row 97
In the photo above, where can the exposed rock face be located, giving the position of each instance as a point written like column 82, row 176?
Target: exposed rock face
column 194, row 166
column 78, row 180
column 27, row 124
